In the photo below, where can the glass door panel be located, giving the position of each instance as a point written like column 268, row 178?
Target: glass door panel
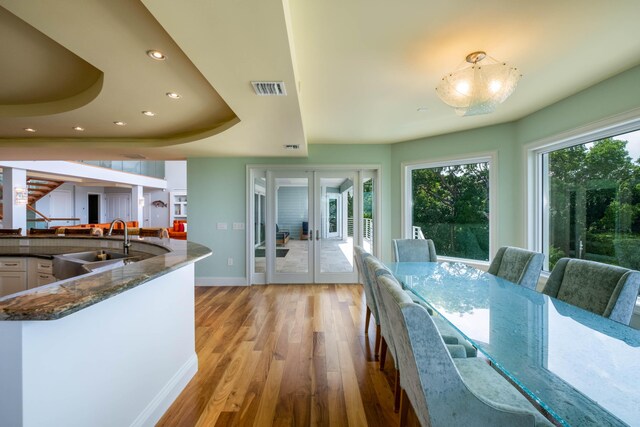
column 334, row 234
column 259, row 222
column 368, row 213
column 290, row 252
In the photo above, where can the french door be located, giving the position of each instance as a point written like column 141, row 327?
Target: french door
column 305, row 225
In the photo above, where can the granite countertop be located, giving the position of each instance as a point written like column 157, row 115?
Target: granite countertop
column 59, row 299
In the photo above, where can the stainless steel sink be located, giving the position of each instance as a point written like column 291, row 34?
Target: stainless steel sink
column 93, row 256
column 76, row 264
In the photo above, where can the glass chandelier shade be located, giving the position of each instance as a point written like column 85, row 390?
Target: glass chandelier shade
column 478, row 86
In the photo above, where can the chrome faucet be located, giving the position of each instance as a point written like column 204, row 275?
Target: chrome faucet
column 126, row 243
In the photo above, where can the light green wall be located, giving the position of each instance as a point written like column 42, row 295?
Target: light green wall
column 217, row 185
column 613, row 96
column 217, row 193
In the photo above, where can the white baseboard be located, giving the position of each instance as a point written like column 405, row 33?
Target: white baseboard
column 221, row 281
column 170, row 392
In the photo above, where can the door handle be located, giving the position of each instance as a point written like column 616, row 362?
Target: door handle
column 317, row 235
column 310, row 234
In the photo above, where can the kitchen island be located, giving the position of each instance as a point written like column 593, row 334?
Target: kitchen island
column 113, row 347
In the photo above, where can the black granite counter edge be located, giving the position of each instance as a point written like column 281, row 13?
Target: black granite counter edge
column 57, row 300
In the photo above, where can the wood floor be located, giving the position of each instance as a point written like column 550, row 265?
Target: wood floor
column 285, row 355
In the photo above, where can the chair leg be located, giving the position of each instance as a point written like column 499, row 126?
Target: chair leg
column 404, row 408
column 383, row 353
column 367, row 318
column 377, row 344
column 398, row 392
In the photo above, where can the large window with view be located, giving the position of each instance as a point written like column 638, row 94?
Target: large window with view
column 591, row 201
column 450, row 204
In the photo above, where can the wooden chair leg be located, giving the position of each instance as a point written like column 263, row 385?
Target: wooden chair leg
column 398, row 392
column 404, row 408
column 377, row 344
column 383, row 353
column 367, row 318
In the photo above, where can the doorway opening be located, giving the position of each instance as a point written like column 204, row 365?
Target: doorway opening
column 306, row 223
column 93, row 203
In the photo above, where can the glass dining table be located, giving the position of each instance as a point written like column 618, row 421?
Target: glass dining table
column 580, row 368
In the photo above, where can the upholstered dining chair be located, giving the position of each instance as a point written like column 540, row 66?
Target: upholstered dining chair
column 603, row 289
column 517, row 265
column 372, row 308
column 414, row 250
column 376, row 270
column 445, row 391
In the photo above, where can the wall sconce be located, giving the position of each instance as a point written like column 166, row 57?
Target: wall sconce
column 478, row 86
column 21, row 196
column 141, row 202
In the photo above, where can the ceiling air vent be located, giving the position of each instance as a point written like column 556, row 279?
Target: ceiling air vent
column 269, row 88
column 291, row 146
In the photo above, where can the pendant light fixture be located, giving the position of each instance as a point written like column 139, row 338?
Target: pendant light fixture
column 479, row 85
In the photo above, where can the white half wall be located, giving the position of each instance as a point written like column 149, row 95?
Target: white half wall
column 120, row 362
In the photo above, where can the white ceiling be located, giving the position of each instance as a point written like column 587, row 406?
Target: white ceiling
column 355, row 71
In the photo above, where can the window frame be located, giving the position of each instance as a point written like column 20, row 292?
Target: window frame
column 537, row 185
column 491, row 158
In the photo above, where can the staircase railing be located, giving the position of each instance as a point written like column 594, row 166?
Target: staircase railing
column 44, row 218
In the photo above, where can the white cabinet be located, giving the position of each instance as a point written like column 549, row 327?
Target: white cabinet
column 43, row 279
column 13, row 275
column 40, row 272
column 20, row 274
column 177, row 205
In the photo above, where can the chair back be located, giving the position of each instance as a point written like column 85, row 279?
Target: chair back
column 78, row 231
column 10, row 231
column 305, row 227
column 42, row 231
column 428, row 374
column 603, row 289
column 377, row 269
column 151, row 232
column 363, row 276
column 414, row 250
column 517, row 265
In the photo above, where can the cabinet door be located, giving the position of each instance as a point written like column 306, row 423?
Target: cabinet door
column 12, row 282
column 44, row 266
column 13, row 264
column 44, row 279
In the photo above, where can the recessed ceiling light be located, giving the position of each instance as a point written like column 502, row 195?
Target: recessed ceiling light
column 119, row 123
column 30, row 129
column 422, row 109
column 174, row 95
column 149, row 113
column 78, row 128
column 157, row 55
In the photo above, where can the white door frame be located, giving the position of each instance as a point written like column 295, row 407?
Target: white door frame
column 253, row 171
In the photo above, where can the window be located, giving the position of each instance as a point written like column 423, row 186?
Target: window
column 590, row 205
column 450, row 204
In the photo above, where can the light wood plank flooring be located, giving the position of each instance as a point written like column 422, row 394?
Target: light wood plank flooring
column 285, row 355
